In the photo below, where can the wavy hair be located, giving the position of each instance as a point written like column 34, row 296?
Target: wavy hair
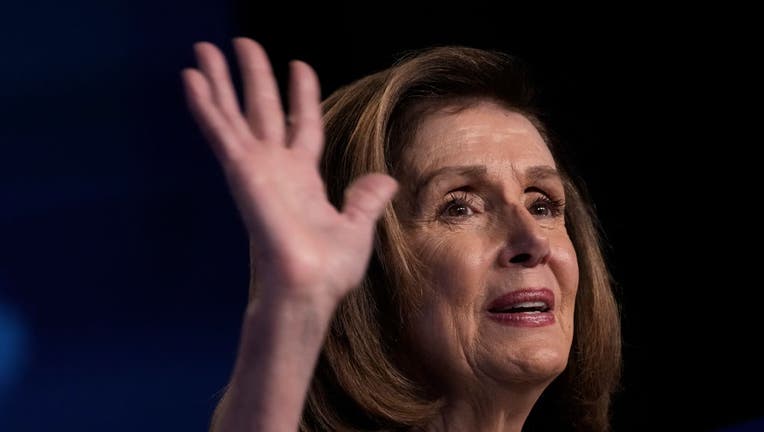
column 362, row 382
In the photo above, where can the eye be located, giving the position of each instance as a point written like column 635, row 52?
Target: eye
column 458, row 210
column 458, row 204
column 544, row 207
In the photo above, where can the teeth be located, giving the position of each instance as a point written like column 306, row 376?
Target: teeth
column 526, row 307
column 530, row 305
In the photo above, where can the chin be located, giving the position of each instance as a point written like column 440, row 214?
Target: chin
column 536, row 367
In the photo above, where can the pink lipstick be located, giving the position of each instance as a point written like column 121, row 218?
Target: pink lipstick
column 523, row 308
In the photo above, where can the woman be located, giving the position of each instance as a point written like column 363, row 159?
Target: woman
column 431, row 282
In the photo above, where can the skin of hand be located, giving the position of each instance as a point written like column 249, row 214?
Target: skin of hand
column 307, row 255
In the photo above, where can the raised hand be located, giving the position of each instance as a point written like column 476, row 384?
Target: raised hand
column 307, row 255
column 302, row 246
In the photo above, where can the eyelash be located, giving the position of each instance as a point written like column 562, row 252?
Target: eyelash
column 454, row 199
column 556, row 207
column 463, row 199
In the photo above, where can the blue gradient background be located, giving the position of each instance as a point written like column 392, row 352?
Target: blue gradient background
column 116, row 306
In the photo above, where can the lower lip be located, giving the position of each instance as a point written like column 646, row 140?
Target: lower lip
column 526, row 319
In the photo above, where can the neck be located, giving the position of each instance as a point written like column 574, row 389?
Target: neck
column 487, row 412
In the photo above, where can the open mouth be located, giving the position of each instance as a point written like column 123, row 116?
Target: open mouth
column 524, row 307
column 531, row 307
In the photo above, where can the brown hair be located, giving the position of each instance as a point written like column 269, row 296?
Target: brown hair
column 361, row 381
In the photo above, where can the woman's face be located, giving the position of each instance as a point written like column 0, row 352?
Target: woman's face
column 486, row 215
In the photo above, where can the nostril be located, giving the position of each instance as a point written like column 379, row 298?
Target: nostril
column 520, row 258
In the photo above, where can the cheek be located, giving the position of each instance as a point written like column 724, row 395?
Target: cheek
column 564, row 263
column 446, row 325
column 456, row 268
column 565, row 266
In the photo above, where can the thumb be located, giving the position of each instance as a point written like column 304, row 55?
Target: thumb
column 367, row 196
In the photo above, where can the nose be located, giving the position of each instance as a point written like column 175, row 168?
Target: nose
column 526, row 242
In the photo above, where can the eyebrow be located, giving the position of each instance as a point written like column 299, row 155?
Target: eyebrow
column 541, row 172
column 531, row 174
column 424, row 181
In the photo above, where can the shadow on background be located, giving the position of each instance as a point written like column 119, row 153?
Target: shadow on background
column 123, row 266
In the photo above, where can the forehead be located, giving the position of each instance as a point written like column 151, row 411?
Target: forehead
column 484, row 133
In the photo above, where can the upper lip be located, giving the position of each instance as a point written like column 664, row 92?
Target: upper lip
column 532, row 296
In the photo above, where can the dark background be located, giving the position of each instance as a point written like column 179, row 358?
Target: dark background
column 123, row 264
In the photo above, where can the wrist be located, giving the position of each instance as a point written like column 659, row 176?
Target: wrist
column 291, row 305
column 281, row 341
column 284, row 325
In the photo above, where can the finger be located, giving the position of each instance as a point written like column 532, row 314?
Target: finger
column 367, row 197
column 213, row 64
column 305, row 129
column 261, row 94
column 215, row 127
